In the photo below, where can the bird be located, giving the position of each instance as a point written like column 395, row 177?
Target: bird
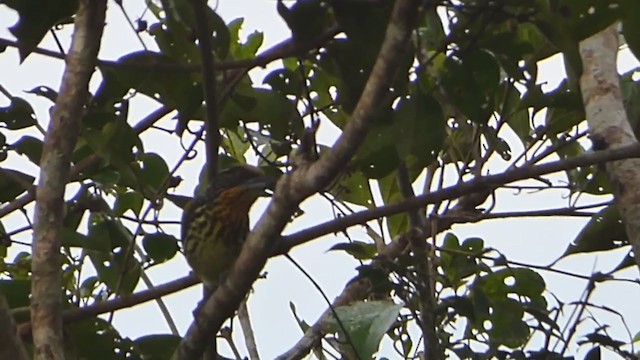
column 215, row 225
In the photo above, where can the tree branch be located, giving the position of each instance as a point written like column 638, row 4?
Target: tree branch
column 46, row 298
column 284, row 49
column 11, row 346
column 356, row 289
column 306, row 180
column 609, row 127
column 453, row 192
column 122, row 302
column 247, row 331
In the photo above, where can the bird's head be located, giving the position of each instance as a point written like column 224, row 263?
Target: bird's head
column 240, row 185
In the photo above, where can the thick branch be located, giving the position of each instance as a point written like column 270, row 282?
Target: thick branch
column 609, row 127
column 453, row 192
column 46, row 299
column 11, row 346
column 286, row 48
column 294, row 188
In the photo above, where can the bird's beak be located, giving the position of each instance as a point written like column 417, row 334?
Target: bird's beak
column 261, row 184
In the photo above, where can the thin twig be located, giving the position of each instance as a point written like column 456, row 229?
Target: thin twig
column 209, row 84
column 121, row 302
column 303, row 182
column 454, row 192
column 247, row 331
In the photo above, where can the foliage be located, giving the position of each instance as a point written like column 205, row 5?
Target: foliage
column 466, row 94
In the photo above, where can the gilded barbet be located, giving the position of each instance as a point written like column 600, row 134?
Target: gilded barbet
column 215, row 225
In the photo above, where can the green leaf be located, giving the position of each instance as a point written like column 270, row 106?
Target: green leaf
column 139, row 71
column 107, row 178
column 507, row 326
column 419, row 126
column 155, row 173
column 559, row 120
column 160, row 246
column 36, row 18
column 520, row 281
column 457, row 265
column 377, row 156
column 45, row 92
column 358, row 249
column 130, row 200
column 14, row 183
column 16, row 292
column 366, row 324
column 354, row 188
column 594, row 354
column 627, row 262
column 175, row 35
column 157, row 346
column 29, row 146
column 605, row 231
column 118, row 271
column 304, row 326
column 235, row 144
column 250, row 47
column 113, row 140
column 220, row 32
column 95, row 338
column 71, row 238
column 631, row 28
column 471, row 87
column 285, row 81
column 527, row 282
column 306, row 19
column 269, row 108
column 18, row 115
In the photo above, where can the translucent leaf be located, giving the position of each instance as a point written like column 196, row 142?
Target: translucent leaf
column 358, row 249
column 366, row 324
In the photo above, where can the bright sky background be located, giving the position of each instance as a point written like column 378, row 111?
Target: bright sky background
column 537, row 241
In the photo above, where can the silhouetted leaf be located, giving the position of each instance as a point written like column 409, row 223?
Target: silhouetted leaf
column 35, row 20
column 157, row 346
column 605, row 231
column 160, row 246
column 18, row 115
column 358, row 249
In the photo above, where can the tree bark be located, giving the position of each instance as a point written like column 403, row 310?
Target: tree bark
column 46, row 300
column 609, row 127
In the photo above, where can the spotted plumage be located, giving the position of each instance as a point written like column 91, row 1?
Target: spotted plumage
column 215, row 225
